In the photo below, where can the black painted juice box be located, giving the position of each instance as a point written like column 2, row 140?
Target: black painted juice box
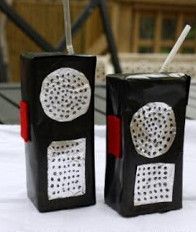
column 145, row 134
column 57, row 124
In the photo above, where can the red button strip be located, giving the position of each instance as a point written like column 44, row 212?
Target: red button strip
column 24, row 121
column 114, row 135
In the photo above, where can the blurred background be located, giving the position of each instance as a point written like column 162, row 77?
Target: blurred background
column 144, row 32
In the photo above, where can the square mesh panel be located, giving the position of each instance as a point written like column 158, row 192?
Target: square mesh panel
column 66, row 169
column 154, row 183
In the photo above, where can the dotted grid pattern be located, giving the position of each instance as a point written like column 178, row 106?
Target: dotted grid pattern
column 66, row 169
column 153, row 129
column 65, row 94
column 154, row 183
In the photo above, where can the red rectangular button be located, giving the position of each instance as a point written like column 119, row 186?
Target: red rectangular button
column 114, row 135
column 24, row 121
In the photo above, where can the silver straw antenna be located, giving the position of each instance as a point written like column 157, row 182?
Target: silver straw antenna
column 175, row 48
column 67, row 24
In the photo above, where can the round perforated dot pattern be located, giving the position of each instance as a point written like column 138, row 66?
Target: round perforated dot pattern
column 153, row 129
column 65, row 94
column 66, row 169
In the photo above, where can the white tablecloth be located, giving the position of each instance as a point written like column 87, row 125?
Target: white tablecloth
column 18, row 214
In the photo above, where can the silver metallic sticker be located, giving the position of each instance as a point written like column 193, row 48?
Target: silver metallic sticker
column 153, row 129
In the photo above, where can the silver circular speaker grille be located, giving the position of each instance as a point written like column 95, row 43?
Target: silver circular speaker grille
column 153, row 129
column 65, row 94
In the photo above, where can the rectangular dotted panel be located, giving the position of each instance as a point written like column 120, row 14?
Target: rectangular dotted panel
column 154, row 183
column 66, row 169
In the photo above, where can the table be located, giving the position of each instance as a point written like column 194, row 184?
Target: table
column 17, row 214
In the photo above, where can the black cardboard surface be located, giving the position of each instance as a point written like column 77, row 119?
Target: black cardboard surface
column 44, row 130
column 124, row 98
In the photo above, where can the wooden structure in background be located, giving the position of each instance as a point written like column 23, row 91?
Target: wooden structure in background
column 156, row 27
column 138, row 25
